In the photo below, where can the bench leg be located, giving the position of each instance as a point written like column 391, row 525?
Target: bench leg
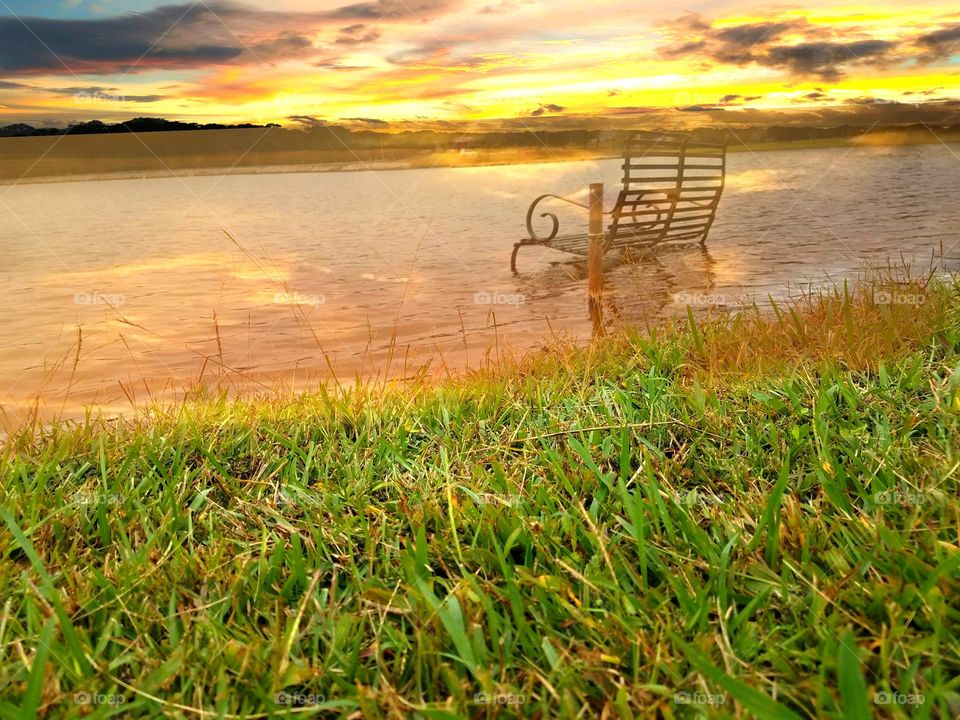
column 513, row 257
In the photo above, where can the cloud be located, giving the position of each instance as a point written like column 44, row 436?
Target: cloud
column 392, row 9
column 941, row 43
column 547, row 108
column 367, row 121
column 86, row 92
column 334, row 65
column 704, row 107
column 144, row 98
column 826, row 59
column 358, row 34
column 817, row 53
column 191, row 35
column 632, row 110
column 504, row 6
column 53, row 45
column 734, row 44
column 307, row 121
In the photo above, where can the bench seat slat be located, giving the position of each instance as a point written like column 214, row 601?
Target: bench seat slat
column 675, row 166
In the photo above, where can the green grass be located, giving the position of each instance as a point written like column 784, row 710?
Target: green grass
column 732, row 517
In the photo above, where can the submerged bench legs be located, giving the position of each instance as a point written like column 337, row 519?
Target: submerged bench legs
column 513, row 257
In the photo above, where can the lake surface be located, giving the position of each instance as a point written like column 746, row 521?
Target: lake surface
column 119, row 291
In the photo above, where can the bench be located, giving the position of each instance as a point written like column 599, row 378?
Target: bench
column 672, row 184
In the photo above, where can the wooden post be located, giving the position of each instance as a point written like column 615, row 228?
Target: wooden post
column 595, row 258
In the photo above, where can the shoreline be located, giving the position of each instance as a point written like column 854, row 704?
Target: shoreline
column 287, row 169
column 443, row 160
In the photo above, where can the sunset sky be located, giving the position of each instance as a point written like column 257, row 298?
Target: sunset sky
column 367, row 62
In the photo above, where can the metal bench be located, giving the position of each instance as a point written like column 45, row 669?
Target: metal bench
column 672, row 184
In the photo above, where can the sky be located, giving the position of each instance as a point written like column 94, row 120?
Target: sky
column 380, row 62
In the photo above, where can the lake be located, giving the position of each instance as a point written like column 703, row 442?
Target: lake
column 119, row 291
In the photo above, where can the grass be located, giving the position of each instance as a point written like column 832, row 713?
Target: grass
column 730, row 517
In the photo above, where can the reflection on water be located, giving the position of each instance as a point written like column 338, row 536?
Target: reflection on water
column 119, row 291
column 756, row 180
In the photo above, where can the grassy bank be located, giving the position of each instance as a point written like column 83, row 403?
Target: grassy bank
column 750, row 516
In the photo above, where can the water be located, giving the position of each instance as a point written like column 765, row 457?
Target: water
column 124, row 290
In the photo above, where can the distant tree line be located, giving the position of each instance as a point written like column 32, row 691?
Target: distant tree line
column 137, row 125
column 337, row 137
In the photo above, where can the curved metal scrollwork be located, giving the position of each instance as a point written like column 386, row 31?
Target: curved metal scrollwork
column 553, row 218
column 654, row 206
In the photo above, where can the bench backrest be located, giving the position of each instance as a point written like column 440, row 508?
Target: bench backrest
column 671, row 186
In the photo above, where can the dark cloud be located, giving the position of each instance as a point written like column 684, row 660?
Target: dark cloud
column 746, row 36
column 307, row 121
column 736, row 44
column 358, row 34
column 826, row 59
column 111, row 44
column 78, row 90
column 144, row 98
column 333, row 65
column 703, row 107
column 547, row 108
column 819, row 54
column 189, row 35
column 941, row 43
column 690, row 23
column 682, row 49
column 392, row 9
column 367, row 121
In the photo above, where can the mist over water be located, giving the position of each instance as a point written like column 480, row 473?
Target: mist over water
column 124, row 290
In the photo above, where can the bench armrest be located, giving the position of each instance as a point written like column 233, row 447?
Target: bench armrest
column 554, row 219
